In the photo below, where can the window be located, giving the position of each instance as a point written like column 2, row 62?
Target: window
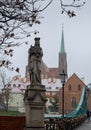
column 73, row 102
column 49, row 80
column 69, row 88
column 14, row 85
column 19, row 85
column 53, row 93
column 56, row 87
column 49, row 87
column 46, row 76
column 9, row 85
column 54, row 80
column 50, row 93
column 79, row 87
column 47, row 93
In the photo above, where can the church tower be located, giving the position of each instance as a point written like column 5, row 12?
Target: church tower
column 62, row 58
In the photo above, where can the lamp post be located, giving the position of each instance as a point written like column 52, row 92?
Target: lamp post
column 63, row 83
column 88, row 90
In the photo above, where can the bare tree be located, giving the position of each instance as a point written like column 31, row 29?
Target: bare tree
column 4, row 97
column 68, row 7
column 16, row 16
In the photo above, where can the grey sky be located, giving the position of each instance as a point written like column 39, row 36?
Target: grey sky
column 77, row 38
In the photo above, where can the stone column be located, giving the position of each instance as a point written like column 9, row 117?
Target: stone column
column 35, row 98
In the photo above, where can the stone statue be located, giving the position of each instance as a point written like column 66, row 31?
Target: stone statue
column 34, row 62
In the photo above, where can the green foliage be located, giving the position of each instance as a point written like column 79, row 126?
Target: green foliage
column 54, row 105
column 11, row 113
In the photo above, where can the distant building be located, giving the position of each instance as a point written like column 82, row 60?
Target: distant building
column 72, row 94
column 15, row 89
column 52, row 87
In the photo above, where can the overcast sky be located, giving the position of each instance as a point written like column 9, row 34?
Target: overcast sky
column 77, row 38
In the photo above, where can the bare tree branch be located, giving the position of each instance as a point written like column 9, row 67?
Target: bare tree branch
column 16, row 16
column 73, row 4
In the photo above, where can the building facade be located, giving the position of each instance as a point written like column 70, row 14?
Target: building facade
column 14, row 94
column 72, row 94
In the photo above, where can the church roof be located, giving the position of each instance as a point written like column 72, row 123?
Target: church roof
column 75, row 77
column 44, row 68
column 53, row 72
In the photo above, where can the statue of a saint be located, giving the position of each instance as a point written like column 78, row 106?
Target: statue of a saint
column 34, row 62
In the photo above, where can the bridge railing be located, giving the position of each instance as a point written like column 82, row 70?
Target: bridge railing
column 64, row 123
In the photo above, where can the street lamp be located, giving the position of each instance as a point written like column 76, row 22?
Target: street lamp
column 88, row 89
column 63, row 83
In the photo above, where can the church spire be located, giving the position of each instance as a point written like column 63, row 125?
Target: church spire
column 62, row 43
column 62, row 57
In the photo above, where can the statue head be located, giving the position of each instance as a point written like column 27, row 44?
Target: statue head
column 37, row 41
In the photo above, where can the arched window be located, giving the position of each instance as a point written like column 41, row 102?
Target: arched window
column 73, row 102
column 79, row 87
column 69, row 87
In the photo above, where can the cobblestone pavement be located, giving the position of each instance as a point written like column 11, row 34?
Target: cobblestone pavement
column 85, row 126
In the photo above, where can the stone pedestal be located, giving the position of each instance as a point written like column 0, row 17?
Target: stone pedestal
column 35, row 93
column 35, row 107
